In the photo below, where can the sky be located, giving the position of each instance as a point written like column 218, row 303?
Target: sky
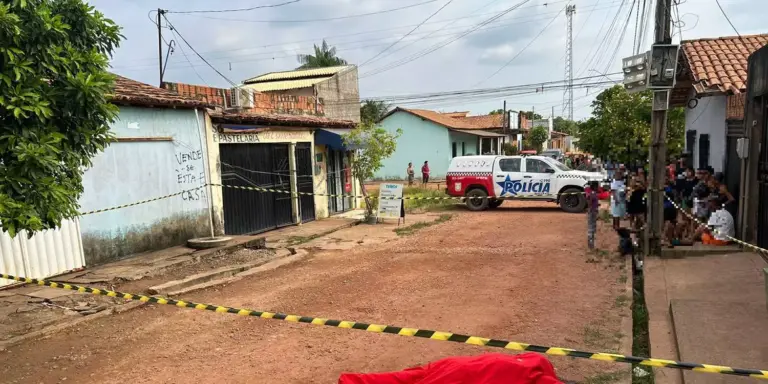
column 523, row 47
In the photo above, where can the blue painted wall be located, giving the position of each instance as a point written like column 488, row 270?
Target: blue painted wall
column 127, row 172
column 469, row 141
column 422, row 140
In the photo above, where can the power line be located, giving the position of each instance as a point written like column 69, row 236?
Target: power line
column 187, row 58
column 520, row 52
column 322, row 19
column 589, row 58
column 727, row 18
column 407, row 34
column 435, row 47
column 238, row 9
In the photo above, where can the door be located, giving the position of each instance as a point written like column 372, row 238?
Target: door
column 255, row 165
column 305, row 181
column 537, row 177
column 762, row 182
column 507, row 177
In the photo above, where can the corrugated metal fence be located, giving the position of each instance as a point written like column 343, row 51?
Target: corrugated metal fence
column 43, row 255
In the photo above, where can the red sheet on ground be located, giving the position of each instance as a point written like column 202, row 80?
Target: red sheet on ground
column 492, row 368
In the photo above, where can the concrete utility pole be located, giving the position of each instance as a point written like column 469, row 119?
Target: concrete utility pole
column 658, row 150
column 568, row 105
column 160, row 43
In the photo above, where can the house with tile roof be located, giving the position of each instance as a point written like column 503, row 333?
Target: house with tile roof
column 335, row 87
column 711, row 84
column 434, row 137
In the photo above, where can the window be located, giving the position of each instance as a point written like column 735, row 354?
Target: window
column 509, row 165
column 536, row 166
column 703, row 150
column 453, row 149
column 463, row 150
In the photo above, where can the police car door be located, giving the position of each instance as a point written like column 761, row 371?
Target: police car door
column 537, row 178
column 507, row 176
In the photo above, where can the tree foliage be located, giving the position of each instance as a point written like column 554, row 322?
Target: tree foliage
column 374, row 144
column 561, row 124
column 325, row 56
column 53, row 107
column 620, row 126
column 496, row 112
column 530, row 115
column 538, row 136
column 372, row 111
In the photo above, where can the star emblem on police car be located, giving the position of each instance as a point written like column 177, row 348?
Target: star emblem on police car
column 509, row 186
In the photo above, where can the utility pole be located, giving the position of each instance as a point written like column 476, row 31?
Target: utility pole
column 658, row 150
column 160, row 13
column 568, row 105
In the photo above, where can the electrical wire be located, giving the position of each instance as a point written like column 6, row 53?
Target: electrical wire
column 407, row 34
column 187, row 58
column 238, row 9
column 440, row 45
column 590, row 58
column 520, row 52
column 727, row 18
column 320, row 19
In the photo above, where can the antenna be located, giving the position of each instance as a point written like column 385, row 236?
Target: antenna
column 568, row 96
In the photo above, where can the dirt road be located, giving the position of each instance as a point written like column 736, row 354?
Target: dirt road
column 520, row 273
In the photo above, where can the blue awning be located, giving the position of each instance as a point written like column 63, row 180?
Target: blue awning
column 331, row 138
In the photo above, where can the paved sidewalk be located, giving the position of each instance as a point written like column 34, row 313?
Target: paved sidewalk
column 708, row 309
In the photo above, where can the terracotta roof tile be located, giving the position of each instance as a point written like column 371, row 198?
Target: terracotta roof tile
column 720, row 64
column 132, row 92
column 280, row 120
column 486, row 121
column 439, row 118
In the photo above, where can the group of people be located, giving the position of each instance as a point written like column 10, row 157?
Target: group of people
column 424, row 173
column 700, row 194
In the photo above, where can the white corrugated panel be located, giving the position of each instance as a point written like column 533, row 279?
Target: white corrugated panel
column 43, row 255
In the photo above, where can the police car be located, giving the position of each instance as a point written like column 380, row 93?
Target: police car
column 488, row 178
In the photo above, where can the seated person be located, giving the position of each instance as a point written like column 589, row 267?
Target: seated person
column 719, row 229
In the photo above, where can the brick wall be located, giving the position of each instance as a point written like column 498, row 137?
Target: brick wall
column 262, row 102
column 734, row 107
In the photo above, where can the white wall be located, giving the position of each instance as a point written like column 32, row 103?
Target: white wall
column 709, row 118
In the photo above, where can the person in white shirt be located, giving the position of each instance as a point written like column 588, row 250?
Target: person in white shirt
column 618, row 198
column 721, row 224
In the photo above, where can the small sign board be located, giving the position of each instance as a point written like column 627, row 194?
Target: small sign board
column 390, row 201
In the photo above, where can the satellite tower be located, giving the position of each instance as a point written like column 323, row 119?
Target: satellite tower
column 568, row 104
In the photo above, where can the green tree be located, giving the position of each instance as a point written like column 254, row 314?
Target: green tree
column 372, row 111
column 375, row 144
column 538, row 136
column 564, row 125
column 620, row 126
column 496, row 112
column 325, row 56
column 53, row 107
column 510, row 149
column 530, row 115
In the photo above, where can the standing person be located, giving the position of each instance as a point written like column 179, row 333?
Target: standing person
column 618, row 198
column 609, row 167
column 701, row 194
column 425, row 173
column 670, row 212
column 410, row 173
column 593, row 204
column 636, row 203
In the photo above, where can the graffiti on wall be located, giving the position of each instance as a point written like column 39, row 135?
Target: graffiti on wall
column 190, row 173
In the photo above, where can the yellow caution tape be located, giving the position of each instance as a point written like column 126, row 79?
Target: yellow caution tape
column 410, row 332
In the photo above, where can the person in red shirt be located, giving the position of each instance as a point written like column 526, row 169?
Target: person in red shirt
column 425, row 173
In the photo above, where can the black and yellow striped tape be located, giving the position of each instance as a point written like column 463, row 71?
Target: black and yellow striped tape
column 142, row 201
column 411, row 332
column 462, row 198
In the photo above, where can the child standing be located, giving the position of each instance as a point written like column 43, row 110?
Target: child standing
column 618, row 198
column 593, row 204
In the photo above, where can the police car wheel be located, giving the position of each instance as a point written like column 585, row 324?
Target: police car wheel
column 477, row 200
column 572, row 201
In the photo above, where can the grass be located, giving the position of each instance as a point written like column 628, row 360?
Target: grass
column 597, row 337
column 640, row 338
column 411, row 229
column 605, row 216
column 293, row 241
column 412, row 206
column 621, row 301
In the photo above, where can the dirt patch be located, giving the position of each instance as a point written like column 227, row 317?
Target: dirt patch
column 219, row 259
column 517, row 273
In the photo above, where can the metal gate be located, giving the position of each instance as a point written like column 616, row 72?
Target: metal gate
column 762, row 182
column 335, row 180
column 255, row 165
column 305, row 181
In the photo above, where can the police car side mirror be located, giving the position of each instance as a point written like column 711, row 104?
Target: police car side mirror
column 549, row 170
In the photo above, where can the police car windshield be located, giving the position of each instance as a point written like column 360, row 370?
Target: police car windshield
column 560, row 165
